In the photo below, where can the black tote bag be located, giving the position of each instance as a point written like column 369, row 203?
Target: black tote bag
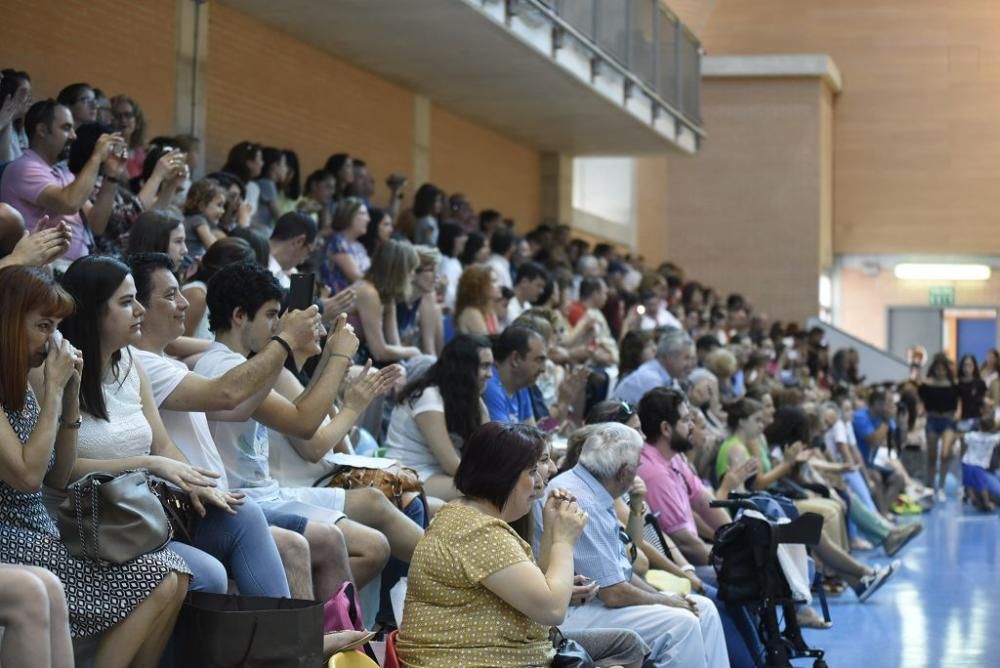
column 223, row 631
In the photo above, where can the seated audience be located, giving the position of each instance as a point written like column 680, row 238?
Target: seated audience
column 15, row 99
column 126, row 606
column 290, row 244
column 476, row 595
column 273, row 172
column 418, row 316
column 35, row 620
column 346, row 259
column 680, row 630
column 531, row 281
column 243, row 303
column 203, row 209
column 129, row 121
column 746, row 421
column 232, row 250
column 673, row 363
column 380, row 229
column 502, row 247
column 673, row 489
column 436, row 414
column 428, row 205
column 159, row 232
column 183, row 398
column 245, row 161
column 980, row 484
column 451, row 243
column 519, row 355
column 18, row 247
column 81, row 101
column 387, row 281
column 122, row 430
column 475, row 302
column 476, row 250
column 38, row 184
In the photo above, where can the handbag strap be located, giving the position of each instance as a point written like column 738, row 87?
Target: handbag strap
column 325, row 479
column 91, row 549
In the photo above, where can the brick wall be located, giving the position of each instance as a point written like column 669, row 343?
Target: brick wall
column 118, row 47
column 263, row 85
column 493, row 171
column 267, row 87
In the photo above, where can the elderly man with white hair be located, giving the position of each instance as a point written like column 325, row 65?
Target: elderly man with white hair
column 675, row 359
column 682, row 631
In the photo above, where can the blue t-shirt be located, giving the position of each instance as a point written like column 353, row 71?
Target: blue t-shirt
column 864, row 425
column 504, row 407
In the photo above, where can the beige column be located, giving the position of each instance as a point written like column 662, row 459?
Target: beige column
column 557, row 188
column 421, row 141
column 192, row 58
column 752, row 211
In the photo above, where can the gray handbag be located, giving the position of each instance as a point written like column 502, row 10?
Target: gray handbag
column 112, row 518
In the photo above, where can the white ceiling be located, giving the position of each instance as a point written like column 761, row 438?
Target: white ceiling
column 460, row 59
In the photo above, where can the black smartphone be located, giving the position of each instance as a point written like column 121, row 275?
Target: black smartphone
column 302, row 293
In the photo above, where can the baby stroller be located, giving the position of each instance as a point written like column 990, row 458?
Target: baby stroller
column 745, row 557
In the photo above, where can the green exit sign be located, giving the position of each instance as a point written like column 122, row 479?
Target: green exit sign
column 942, row 296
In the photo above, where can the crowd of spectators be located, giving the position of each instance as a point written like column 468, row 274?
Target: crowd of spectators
column 550, row 393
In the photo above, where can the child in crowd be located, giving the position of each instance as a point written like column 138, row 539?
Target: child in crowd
column 981, row 486
column 205, row 204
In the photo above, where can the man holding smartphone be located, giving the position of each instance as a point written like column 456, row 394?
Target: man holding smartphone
column 38, row 184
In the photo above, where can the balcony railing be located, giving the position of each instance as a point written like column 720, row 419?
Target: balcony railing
column 646, row 39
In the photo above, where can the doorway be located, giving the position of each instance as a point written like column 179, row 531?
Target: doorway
column 956, row 331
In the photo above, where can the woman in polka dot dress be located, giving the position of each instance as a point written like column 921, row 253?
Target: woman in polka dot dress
column 132, row 606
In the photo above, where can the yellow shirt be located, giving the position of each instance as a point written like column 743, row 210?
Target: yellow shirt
column 451, row 620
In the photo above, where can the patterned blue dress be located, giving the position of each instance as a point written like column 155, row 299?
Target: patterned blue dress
column 98, row 596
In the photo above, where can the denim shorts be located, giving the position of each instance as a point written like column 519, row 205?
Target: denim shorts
column 939, row 424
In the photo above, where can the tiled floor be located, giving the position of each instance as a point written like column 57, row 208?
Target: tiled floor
column 941, row 611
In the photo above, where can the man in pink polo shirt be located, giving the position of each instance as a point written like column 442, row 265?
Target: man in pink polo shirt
column 37, row 185
column 673, row 489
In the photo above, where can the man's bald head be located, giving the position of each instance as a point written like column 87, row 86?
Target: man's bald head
column 11, row 228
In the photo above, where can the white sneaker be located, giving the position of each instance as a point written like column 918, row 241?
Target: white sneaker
column 941, row 497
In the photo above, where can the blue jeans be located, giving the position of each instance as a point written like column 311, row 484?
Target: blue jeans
column 239, row 546
column 993, row 485
column 742, row 643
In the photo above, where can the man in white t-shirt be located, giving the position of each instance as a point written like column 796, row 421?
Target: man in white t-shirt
column 243, row 303
column 531, row 280
column 314, row 553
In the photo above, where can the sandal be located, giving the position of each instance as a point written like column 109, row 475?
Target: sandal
column 834, row 586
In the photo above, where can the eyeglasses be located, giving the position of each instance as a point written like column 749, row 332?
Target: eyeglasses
column 123, row 115
column 89, row 101
column 625, row 410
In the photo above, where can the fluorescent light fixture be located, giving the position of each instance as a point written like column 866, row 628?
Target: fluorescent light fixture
column 942, row 272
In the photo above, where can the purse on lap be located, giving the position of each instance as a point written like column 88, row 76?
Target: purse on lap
column 388, row 476
column 111, row 518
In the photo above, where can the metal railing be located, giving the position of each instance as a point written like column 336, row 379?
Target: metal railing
column 644, row 37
